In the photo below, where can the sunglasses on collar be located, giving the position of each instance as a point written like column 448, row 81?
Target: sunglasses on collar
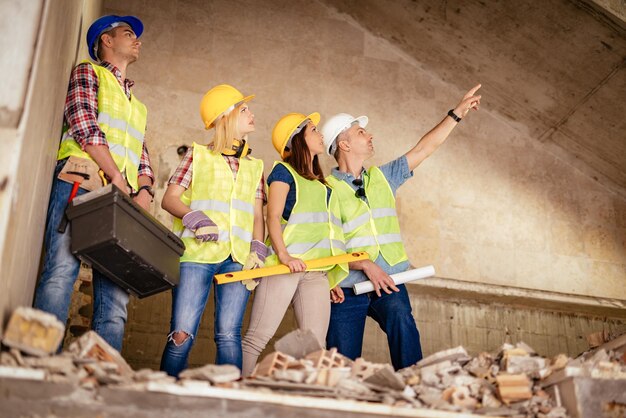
column 360, row 192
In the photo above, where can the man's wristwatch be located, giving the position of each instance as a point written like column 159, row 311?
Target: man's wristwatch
column 454, row 115
column 148, row 189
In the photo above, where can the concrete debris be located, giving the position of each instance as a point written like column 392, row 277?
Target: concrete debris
column 349, row 387
column 106, row 373
column 559, row 362
column 617, row 346
column 596, row 339
column 331, row 377
column 92, row 347
column 17, row 355
column 7, row 359
column 62, row 364
column 362, row 369
column 290, row 375
column 386, row 377
column 21, row 373
column 149, row 375
column 453, row 354
column 409, row 375
column 525, row 364
column 528, row 349
column 298, row 344
column 506, row 383
column 33, row 332
column 213, row 373
column 514, row 382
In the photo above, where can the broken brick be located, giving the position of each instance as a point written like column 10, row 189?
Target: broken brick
column 362, row 369
column 91, row 346
column 513, row 387
column 271, row 362
column 326, row 359
column 213, row 373
column 33, row 331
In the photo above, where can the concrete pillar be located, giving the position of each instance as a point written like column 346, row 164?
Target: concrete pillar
column 41, row 41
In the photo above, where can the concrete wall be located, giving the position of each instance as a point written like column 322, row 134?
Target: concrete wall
column 40, row 46
column 445, row 319
column 492, row 206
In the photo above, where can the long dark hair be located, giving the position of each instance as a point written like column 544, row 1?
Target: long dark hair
column 299, row 158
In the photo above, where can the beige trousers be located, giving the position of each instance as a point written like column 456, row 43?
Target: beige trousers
column 309, row 293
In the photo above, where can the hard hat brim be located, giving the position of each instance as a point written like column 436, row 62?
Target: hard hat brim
column 100, row 25
column 361, row 120
column 313, row 117
column 244, row 100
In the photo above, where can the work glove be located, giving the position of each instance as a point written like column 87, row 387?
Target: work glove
column 256, row 259
column 201, row 225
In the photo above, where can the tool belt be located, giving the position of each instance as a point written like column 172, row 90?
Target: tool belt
column 95, row 179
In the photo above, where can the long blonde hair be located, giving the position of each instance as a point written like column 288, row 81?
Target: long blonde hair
column 226, row 129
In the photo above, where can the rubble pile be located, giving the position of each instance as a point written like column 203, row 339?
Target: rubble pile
column 89, row 362
column 504, row 384
column 32, row 336
column 515, row 381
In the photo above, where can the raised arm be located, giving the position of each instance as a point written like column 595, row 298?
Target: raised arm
column 436, row 136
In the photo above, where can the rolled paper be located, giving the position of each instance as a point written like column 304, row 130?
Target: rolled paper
column 398, row 278
column 237, row 276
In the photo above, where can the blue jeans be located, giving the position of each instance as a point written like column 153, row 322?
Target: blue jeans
column 394, row 316
column 189, row 299
column 60, row 270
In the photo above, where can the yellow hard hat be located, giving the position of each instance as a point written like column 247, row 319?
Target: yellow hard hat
column 218, row 101
column 288, row 126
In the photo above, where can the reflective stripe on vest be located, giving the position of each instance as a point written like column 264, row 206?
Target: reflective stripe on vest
column 229, row 203
column 123, row 123
column 314, row 227
column 372, row 228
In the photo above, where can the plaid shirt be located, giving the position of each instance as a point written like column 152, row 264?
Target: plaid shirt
column 81, row 110
column 182, row 175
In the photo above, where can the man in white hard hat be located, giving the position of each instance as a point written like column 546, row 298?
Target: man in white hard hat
column 368, row 214
column 103, row 130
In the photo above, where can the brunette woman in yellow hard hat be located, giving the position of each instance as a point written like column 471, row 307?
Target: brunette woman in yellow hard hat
column 303, row 224
column 216, row 196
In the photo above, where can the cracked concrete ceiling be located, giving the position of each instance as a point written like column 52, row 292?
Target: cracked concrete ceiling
column 557, row 68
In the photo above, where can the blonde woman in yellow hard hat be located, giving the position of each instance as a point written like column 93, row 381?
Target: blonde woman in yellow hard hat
column 303, row 224
column 216, row 196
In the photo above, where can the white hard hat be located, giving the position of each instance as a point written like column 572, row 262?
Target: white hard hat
column 336, row 125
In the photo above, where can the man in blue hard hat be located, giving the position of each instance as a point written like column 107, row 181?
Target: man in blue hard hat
column 103, row 131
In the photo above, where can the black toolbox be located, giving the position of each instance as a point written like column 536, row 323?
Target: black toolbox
column 124, row 242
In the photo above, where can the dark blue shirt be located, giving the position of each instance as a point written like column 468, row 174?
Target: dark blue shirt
column 282, row 174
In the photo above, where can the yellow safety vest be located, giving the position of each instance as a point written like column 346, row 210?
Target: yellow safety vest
column 372, row 228
column 314, row 227
column 123, row 122
column 228, row 202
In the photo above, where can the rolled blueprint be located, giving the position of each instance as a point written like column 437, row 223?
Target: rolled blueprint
column 398, row 278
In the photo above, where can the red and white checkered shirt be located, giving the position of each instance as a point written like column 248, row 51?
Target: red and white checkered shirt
column 81, row 110
column 182, row 175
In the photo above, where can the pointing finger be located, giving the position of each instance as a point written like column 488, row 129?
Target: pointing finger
column 473, row 90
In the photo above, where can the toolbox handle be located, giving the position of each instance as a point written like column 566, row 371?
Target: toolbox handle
column 170, row 235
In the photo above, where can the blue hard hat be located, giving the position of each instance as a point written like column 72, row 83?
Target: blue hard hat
column 106, row 23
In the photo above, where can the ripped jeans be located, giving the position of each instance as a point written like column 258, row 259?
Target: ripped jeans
column 189, row 299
